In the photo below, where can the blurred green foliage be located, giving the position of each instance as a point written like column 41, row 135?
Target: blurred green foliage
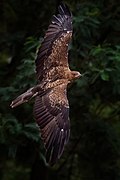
column 93, row 152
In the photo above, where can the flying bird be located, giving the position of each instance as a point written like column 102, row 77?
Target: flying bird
column 51, row 108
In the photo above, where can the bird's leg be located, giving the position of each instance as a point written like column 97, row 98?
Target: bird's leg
column 25, row 97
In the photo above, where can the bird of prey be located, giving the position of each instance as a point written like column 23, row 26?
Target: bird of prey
column 51, row 108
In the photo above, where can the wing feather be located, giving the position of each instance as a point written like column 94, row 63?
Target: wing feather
column 51, row 108
column 57, row 37
column 51, row 113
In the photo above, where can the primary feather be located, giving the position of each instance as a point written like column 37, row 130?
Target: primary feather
column 51, row 108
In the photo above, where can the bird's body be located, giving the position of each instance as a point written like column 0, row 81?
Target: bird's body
column 51, row 108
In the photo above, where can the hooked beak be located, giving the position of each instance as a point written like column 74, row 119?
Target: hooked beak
column 78, row 75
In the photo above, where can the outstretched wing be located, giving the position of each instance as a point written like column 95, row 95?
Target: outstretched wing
column 53, row 50
column 51, row 112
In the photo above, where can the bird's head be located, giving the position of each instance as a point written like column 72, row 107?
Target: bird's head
column 76, row 75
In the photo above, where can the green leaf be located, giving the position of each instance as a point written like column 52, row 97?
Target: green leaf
column 105, row 76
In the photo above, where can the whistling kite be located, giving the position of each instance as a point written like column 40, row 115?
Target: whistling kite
column 51, row 109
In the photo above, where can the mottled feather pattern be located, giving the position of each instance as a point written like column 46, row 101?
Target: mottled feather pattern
column 53, row 68
column 52, row 117
column 51, row 108
column 57, row 32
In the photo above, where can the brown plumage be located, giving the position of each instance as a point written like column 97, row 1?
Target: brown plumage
column 51, row 109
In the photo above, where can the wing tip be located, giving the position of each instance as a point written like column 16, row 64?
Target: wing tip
column 63, row 9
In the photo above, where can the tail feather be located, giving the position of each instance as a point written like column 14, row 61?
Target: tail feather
column 25, row 97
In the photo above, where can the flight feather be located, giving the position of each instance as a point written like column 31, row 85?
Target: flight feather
column 51, row 108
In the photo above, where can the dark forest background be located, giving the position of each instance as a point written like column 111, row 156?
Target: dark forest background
column 93, row 151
